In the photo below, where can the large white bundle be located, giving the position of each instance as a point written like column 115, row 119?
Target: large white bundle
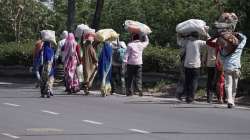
column 192, row 25
column 80, row 29
column 136, row 27
column 106, row 34
column 48, row 35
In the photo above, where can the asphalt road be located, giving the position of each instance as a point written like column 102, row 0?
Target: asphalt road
column 25, row 116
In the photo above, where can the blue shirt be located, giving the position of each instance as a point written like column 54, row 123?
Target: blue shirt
column 232, row 61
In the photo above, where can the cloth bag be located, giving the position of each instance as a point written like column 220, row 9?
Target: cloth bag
column 137, row 27
column 106, row 34
column 227, row 21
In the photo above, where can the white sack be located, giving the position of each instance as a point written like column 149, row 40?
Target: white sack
column 80, row 29
column 192, row 25
column 48, row 35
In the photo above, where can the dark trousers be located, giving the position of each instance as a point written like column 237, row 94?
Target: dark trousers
column 211, row 82
column 191, row 82
column 134, row 74
column 116, row 78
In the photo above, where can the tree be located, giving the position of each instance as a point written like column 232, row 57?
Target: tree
column 97, row 15
column 23, row 19
column 71, row 15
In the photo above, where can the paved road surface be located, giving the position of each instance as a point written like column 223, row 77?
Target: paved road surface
column 25, row 116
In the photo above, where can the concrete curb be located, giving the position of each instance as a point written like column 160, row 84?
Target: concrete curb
column 15, row 71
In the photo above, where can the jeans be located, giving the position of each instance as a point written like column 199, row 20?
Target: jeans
column 134, row 74
column 116, row 78
column 231, row 83
column 191, row 82
column 211, row 73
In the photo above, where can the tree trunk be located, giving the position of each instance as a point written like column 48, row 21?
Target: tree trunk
column 71, row 15
column 97, row 16
column 219, row 5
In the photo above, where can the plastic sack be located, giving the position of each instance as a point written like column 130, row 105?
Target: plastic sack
column 192, row 25
column 106, row 34
column 80, row 29
column 79, row 71
column 136, row 27
column 48, row 35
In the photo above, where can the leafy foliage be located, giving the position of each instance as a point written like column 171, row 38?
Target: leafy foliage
column 158, row 59
column 161, row 16
column 11, row 54
column 24, row 17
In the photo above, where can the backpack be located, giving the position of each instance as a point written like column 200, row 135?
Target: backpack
column 118, row 53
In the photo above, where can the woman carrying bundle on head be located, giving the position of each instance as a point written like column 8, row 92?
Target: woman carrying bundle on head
column 89, row 60
column 47, row 63
column 70, row 64
column 105, row 59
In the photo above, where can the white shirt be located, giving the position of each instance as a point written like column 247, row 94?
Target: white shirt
column 193, row 51
column 133, row 55
column 59, row 49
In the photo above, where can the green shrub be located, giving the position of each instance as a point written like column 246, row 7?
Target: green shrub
column 155, row 58
column 245, row 61
column 158, row 59
column 11, row 54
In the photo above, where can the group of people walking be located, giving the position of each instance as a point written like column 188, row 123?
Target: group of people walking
column 115, row 62
column 112, row 62
column 222, row 59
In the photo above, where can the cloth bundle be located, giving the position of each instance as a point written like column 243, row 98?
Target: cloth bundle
column 48, row 35
column 136, row 27
column 106, row 35
column 80, row 29
column 89, row 34
column 227, row 22
column 232, row 39
column 192, row 25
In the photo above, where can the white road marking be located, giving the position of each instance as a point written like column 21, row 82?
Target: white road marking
column 50, row 112
column 139, row 131
column 5, row 83
column 10, row 104
column 44, row 130
column 10, row 136
column 92, row 122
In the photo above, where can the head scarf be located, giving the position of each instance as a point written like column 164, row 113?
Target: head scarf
column 105, row 61
column 70, row 45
